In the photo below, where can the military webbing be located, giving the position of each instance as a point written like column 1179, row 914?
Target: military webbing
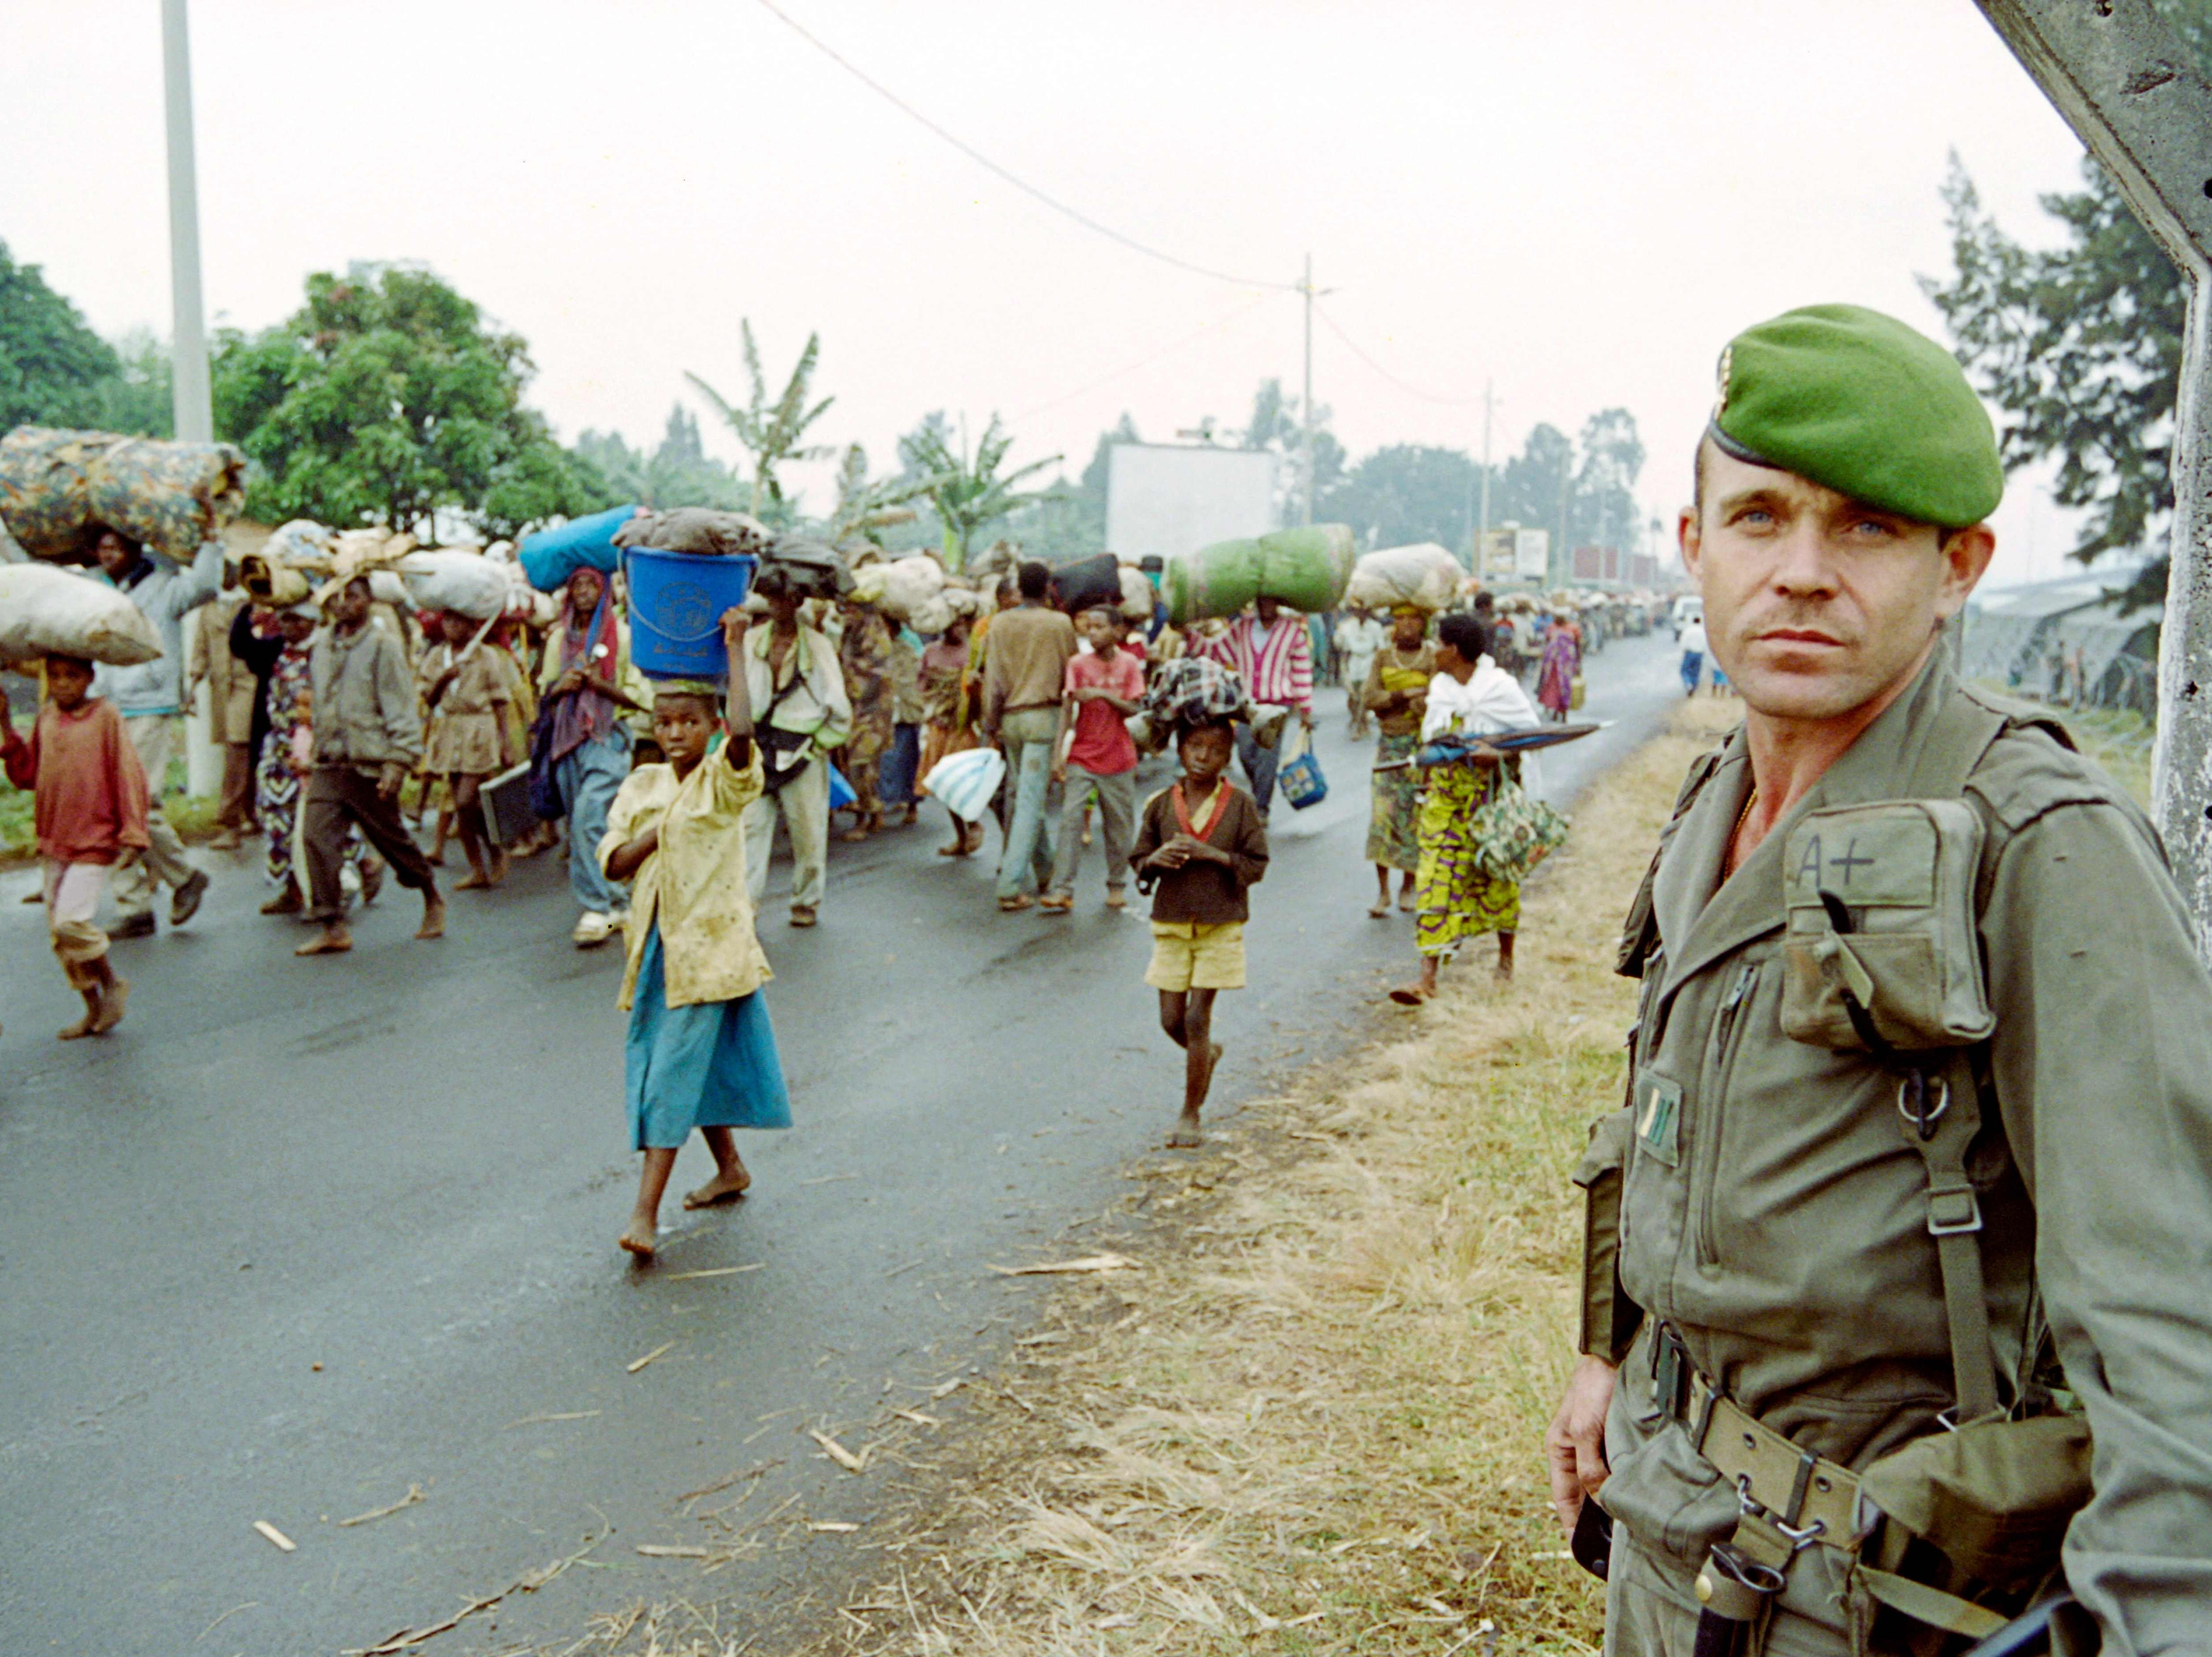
column 1930, row 1606
column 1805, row 1491
column 1954, row 1220
column 1964, row 728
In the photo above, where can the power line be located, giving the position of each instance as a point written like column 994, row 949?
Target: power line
column 1019, row 182
column 1353, row 345
column 1229, row 316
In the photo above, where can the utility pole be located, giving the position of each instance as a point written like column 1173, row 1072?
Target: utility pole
column 190, row 401
column 2133, row 94
column 191, row 408
column 1306, row 437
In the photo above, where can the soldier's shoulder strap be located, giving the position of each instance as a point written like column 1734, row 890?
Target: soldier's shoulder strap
column 1639, row 932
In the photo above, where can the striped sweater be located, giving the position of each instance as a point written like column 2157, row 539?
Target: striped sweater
column 1276, row 668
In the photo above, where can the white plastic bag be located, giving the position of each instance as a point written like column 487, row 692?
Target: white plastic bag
column 967, row 781
column 44, row 607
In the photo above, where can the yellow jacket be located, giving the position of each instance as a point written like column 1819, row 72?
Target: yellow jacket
column 694, row 885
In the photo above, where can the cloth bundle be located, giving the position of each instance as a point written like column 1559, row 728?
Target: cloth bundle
column 804, row 567
column 1423, row 575
column 457, row 578
column 900, row 587
column 1196, row 687
column 1305, row 568
column 43, row 608
column 1137, row 595
column 59, row 488
column 703, row 530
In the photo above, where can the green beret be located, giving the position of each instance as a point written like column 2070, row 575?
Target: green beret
column 1856, row 401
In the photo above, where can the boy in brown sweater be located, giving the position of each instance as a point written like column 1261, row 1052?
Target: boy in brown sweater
column 1201, row 843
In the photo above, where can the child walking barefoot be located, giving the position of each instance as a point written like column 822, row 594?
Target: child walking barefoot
column 89, row 809
column 700, row 1052
column 1201, row 844
column 468, row 685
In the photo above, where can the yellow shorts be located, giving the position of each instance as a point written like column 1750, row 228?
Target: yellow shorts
column 1189, row 956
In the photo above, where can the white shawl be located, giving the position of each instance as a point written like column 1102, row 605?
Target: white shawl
column 1491, row 700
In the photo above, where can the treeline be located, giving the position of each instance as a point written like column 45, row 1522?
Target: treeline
column 389, row 397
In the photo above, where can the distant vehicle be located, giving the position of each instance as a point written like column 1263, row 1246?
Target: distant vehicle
column 1687, row 608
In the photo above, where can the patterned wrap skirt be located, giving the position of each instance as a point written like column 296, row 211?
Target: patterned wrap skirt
column 1455, row 899
column 1393, row 819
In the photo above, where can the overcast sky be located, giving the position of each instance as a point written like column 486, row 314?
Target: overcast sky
column 1578, row 202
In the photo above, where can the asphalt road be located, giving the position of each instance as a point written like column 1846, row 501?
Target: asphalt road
column 303, row 1234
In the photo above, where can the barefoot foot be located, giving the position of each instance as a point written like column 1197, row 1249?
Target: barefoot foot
column 640, row 1238
column 111, row 1003
column 725, row 1187
column 1185, row 1135
column 332, row 940
column 434, row 918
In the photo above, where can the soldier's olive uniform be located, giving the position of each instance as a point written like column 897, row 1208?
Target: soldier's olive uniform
column 1776, row 1215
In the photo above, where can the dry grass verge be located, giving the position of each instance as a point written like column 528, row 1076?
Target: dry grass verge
column 1311, row 1422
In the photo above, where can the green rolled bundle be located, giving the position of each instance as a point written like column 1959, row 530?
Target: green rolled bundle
column 1305, row 569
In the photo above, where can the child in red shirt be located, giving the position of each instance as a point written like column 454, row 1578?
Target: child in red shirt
column 90, row 809
column 1102, row 690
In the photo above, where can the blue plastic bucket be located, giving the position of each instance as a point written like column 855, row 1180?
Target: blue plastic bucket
column 676, row 605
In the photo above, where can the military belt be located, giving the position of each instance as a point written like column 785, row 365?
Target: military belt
column 1806, row 1497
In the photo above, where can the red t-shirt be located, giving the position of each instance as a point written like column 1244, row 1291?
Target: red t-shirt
column 1102, row 742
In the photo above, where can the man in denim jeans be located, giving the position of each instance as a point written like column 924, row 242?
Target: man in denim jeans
column 1025, row 657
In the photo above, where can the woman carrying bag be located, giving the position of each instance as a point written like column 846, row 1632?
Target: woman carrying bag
column 1464, row 888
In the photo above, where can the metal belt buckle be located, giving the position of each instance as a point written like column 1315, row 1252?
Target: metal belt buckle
column 1799, row 1536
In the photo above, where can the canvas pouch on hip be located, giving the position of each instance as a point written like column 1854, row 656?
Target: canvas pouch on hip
column 1881, row 952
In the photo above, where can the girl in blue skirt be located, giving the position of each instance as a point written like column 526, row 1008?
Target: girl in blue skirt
column 701, row 1052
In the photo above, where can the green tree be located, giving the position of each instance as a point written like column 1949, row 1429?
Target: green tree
column 1603, row 512
column 2079, row 346
column 1406, row 493
column 138, row 398
column 386, row 399
column 679, row 473
column 773, row 432
column 968, row 494
column 1536, row 486
column 867, row 506
column 51, row 364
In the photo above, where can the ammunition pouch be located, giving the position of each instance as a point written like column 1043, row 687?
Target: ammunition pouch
column 1881, row 950
column 1962, row 1529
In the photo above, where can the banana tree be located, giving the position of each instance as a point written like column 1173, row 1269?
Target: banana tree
column 771, row 432
column 865, row 506
column 969, row 495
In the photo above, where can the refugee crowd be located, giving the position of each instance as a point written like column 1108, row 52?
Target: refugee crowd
column 362, row 740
